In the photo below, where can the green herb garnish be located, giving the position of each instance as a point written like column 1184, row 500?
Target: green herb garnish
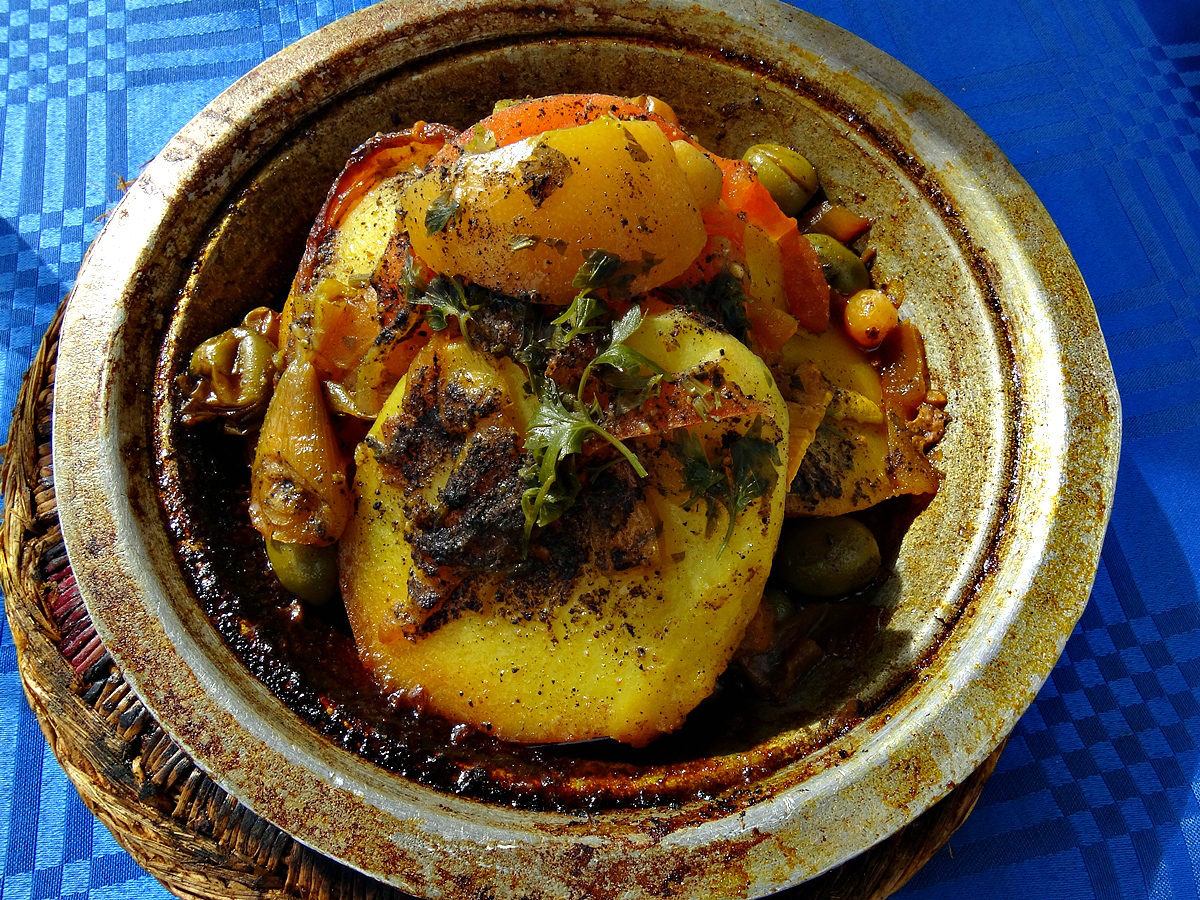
column 447, row 297
column 598, row 270
column 703, row 478
column 411, row 280
column 755, row 462
column 734, row 483
column 721, row 299
column 578, row 318
column 621, row 357
column 602, row 269
column 481, row 141
column 564, row 421
column 557, row 432
column 507, row 102
column 442, row 211
column 529, row 241
column 703, row 396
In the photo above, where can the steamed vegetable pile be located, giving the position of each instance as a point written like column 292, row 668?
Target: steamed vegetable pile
column 543, row 398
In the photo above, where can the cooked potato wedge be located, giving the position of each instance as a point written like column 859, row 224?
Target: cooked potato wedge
column 522, row 219
column 860, row 452
column 560, row 645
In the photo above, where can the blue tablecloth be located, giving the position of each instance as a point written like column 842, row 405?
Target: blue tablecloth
column 1096, row 102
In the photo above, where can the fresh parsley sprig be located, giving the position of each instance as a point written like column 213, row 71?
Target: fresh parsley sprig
column 564, row 421
column 578, row 318
column 623, row 357
column 557, row 432
column 748, row 473
column 608, row 271
column 448, row 297
column 599, row 270
column 443, row 210
column 755, row 466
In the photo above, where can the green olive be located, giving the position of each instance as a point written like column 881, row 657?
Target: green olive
column 827, row 557
column 843, row 269
column 789, row 177
column 307, row 571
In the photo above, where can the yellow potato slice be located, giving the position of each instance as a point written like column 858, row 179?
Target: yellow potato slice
column 839, row 359
column 844, row 470
column 845, row 467
column 521, row 219
column 536, row 656
column 363, row 234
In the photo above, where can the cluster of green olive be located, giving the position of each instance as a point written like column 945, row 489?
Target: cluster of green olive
column 792, row 182
column 825, row 557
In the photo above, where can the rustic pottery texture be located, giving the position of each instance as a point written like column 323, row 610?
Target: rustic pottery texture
column 991, row 577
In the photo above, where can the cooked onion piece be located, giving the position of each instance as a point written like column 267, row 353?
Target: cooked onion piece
column 298, row 480
column 566, row 644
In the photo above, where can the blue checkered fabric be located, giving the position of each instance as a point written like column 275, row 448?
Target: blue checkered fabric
column 1097, row 103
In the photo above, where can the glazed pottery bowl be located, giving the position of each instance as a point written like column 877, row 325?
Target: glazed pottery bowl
column 989, row 579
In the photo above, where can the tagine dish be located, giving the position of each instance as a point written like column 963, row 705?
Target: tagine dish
column 494, row 475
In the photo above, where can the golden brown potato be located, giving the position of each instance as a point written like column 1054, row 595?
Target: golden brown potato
column 521, row 219
column 527, row 652
column 860, row 453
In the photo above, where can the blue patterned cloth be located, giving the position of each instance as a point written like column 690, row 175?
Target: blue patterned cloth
column 1097, row 103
